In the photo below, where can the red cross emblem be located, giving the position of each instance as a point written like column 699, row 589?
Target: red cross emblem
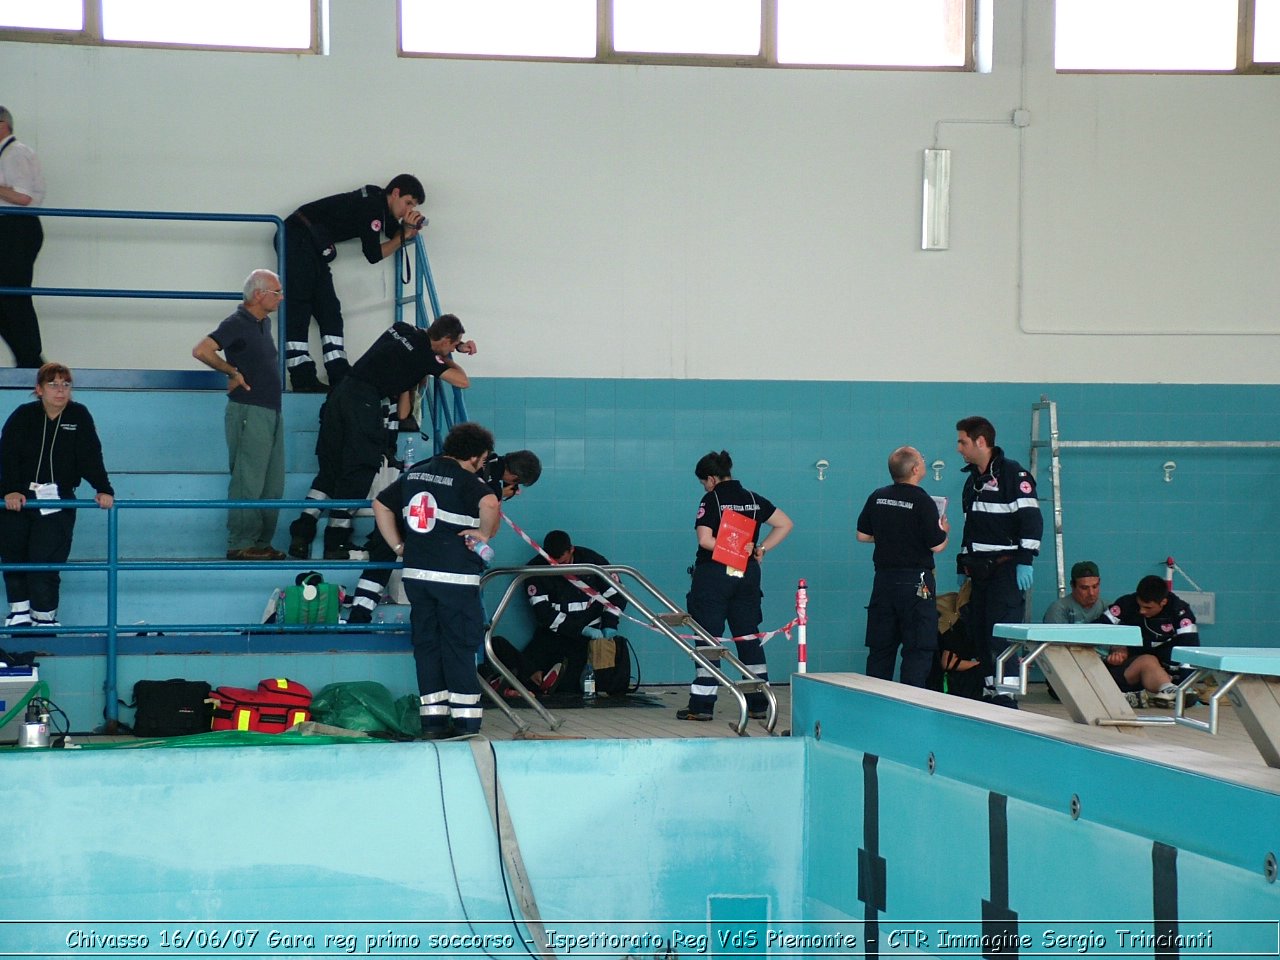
column 421, row 515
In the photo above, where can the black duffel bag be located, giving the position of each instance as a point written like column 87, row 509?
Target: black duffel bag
column 171, row 708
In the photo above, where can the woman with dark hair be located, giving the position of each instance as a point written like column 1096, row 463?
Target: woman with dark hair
column 730, row 591
column 46, row 448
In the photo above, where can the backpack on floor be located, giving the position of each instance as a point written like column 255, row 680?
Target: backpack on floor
column 611, row 662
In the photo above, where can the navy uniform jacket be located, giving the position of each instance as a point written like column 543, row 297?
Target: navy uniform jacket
column 730, row 495
column 398, row 361
column 434, row 501
column 71, row 450
column 1001, row 513
column 561, row 607
column 359, row 214
column 1174, row 626
column 904, row 521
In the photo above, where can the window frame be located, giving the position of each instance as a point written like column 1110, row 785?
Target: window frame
column 1245, row 64
column 91, row 35
column 767, row 58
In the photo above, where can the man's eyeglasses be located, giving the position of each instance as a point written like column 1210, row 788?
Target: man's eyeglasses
column 59, row 384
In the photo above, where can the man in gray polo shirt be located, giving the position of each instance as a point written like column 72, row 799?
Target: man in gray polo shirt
column 255, row 429
column 1084, row 603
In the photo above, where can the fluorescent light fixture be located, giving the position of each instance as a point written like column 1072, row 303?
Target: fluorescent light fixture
column 936, row 231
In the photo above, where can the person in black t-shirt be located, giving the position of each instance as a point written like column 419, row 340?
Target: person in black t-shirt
column 902, row 521
column 721, row 593
column 311, row 231
column 352, row 441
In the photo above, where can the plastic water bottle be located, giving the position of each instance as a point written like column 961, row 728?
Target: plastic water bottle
column 480, row 548
column 409, row 458
column 588, row 683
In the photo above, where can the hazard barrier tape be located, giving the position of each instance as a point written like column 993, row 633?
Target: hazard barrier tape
column 597, row 597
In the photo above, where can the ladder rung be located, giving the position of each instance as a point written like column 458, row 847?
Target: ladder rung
column 674, row 619
column 751, row 684
column 712, row 652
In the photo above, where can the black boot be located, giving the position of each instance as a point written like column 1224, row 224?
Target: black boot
column 301, row 532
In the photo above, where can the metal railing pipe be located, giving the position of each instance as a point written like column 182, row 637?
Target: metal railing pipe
column 168, row 215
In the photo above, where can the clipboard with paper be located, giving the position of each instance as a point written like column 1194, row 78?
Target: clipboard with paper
column 734, row 540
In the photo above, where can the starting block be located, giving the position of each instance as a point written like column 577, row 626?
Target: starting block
column 1250, row 676
column 1068, row 656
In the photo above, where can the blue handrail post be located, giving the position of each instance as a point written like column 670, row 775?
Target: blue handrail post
column 111, row 711
column 282, row 315
column 433, row 397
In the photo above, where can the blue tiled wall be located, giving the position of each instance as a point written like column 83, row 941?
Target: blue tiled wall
column 618, row 475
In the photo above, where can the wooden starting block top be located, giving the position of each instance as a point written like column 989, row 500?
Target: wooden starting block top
column 1075, row 634
column 1263, row 661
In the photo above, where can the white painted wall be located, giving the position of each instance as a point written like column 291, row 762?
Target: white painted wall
column 674, row 222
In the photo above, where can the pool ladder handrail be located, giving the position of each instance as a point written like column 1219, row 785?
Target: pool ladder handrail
column 705, row 650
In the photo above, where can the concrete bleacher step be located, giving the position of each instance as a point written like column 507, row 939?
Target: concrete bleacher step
column 169, row 444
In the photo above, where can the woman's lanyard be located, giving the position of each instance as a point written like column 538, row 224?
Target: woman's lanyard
column 52, row 443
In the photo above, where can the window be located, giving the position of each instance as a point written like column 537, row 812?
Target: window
column 922, row 34
column 564, row 29
column 906, row 33
column 287, row 25
column 687, row 26
column 47, row 15
column 1266, row 32
column 1182, row 36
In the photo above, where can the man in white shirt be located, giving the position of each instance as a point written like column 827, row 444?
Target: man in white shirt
column 21, row 185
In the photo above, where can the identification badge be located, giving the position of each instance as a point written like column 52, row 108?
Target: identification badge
column 46, row 491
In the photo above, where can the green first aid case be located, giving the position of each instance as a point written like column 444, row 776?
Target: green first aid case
column 312, row 601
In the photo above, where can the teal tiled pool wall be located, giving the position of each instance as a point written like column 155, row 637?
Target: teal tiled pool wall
column 844, row 827
column 619, row 456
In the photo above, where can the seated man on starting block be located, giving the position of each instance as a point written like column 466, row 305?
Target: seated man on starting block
column 1166, row 621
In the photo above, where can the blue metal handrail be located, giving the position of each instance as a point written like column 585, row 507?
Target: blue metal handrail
column 443, row 414
column 128, row 294
column 113, row 566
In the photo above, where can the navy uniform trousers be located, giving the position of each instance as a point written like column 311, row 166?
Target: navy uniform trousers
column 448, row 631
column 714, row 599
column 897, row 616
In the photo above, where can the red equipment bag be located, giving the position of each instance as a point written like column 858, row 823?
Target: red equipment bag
column 274, row 707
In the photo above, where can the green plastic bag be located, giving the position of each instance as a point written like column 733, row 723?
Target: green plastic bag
column 368, row 706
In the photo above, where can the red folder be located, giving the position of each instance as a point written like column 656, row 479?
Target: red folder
column 734, row 540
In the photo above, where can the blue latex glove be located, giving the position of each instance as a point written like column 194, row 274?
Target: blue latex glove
column 608, row 632
column 1025, row 576
column 591, row 633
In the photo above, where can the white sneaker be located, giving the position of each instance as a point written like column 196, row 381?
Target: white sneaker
column 1138, row 699
column 1165, row 696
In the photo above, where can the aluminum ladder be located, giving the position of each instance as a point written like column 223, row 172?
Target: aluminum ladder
column 705, row 650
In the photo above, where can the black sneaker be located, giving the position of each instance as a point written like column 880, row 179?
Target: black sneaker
column 693, row 715
column 300, row 548
column 758, row 714
column 360, row 615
